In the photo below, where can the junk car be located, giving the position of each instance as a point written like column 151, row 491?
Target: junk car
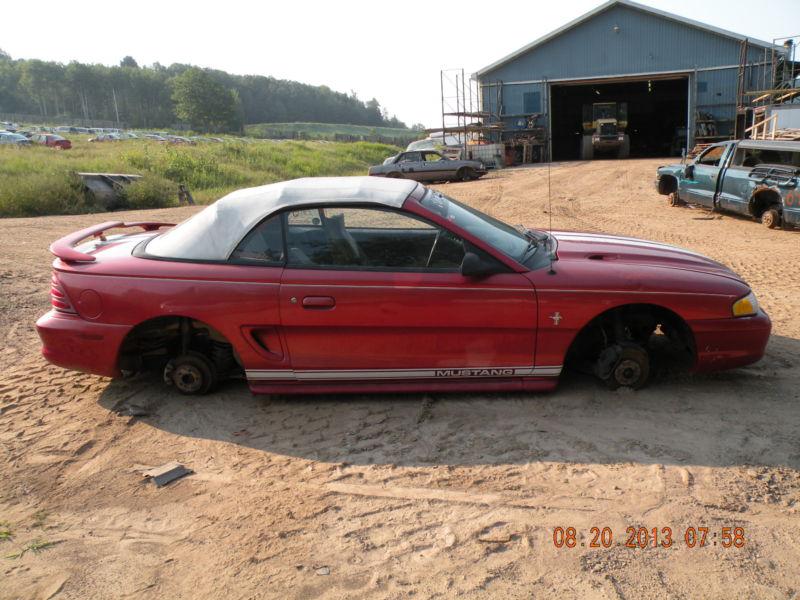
column 428, row 165
column 361, row 284
column 758, row 178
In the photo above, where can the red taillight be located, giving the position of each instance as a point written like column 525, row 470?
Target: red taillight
column 58, row 298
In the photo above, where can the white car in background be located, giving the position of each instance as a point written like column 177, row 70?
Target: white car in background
column 448, row 145
column 428, row 166
column 7, row 137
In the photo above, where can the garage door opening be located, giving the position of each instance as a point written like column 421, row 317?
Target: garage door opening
column 656, row 117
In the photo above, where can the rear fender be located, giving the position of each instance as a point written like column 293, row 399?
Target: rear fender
column 762, row 198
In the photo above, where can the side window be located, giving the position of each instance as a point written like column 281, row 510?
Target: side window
column 409, row 157
column 711, row 156
column 263, row 245
column 369, row 238
column 743, row 158
column 753, row 157
column 432, row 157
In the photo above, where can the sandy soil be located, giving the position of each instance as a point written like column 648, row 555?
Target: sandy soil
column 400, row 496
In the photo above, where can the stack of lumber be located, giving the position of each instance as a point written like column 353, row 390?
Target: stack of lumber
column 787, row 135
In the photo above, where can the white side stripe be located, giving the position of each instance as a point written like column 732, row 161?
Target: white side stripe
column 442, row 373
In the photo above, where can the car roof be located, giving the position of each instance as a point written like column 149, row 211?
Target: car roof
column 786, row 146
column 214, row 232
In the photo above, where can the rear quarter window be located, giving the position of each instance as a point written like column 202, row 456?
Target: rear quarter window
column 753, row 157
column 263, row 245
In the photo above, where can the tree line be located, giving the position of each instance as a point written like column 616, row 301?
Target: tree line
column 157, row 96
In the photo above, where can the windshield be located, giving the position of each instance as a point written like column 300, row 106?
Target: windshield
column 427, row 144
column 505, row 238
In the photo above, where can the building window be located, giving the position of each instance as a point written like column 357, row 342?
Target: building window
column 531, row 102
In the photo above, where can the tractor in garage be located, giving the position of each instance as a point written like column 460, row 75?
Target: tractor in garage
column 604, row 125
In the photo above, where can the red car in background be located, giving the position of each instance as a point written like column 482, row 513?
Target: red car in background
column 52, row 140
column 358, row 284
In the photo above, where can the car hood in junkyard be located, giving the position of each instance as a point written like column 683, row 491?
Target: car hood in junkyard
column 635, row 252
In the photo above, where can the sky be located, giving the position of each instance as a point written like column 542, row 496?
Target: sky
column 392, row 51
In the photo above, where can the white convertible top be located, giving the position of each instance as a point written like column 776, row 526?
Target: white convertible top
column 214, row 232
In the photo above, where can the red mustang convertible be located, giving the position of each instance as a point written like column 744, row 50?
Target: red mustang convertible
column 363, row 284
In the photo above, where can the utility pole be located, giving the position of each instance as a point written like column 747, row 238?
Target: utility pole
column 116, row 108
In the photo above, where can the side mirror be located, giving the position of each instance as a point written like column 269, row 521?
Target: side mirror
column 474, row 265
column 688, row 171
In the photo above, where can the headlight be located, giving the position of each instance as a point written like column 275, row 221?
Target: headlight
column 745, row 307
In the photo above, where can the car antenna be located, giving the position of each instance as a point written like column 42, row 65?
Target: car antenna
column 550, row 254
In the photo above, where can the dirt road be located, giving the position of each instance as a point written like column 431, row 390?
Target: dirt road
column 400, row 496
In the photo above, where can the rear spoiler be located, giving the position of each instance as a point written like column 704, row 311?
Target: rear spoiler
column 65, row 247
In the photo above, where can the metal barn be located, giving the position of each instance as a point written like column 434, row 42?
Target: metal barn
column 681, row 81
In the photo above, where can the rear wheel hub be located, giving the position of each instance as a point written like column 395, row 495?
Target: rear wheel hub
column 188, row 379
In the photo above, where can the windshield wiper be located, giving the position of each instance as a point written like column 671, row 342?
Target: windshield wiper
column 534, row 241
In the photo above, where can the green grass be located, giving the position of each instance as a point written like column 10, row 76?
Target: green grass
column 36, row 546
column 5, row 531
column 38, row 181
column 329, row 131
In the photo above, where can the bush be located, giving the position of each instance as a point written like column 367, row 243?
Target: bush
column 36, row 194
column 150, row 192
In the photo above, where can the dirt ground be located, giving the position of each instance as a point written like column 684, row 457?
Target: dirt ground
column 410, row 496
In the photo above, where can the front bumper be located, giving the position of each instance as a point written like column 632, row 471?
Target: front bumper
column 730, row 343
column 75, row 343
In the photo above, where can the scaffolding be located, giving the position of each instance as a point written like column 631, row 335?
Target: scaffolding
column 466, row 117
column 461, row 117
column 778, row 83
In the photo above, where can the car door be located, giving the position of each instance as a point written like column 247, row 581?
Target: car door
column 700, row 186
column 736, row 186
column 410, row 164
column 369, row 293
column 436, row 167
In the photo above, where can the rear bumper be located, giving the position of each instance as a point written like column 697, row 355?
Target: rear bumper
column 730, row 343
column 75, row 343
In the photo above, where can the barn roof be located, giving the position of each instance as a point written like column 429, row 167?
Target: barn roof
column 635, row 5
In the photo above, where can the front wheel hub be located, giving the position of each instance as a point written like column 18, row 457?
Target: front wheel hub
column 627, row 372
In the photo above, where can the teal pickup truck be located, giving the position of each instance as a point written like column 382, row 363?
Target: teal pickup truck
column 759, row 178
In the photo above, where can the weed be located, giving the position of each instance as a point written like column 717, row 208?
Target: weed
column 36, row 546
column 39, row 518
column 5, row 531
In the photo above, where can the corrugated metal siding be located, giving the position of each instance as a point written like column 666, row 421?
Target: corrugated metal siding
column 645, row 43
column 512, row 98
column 716, row 94
column 718, row 97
